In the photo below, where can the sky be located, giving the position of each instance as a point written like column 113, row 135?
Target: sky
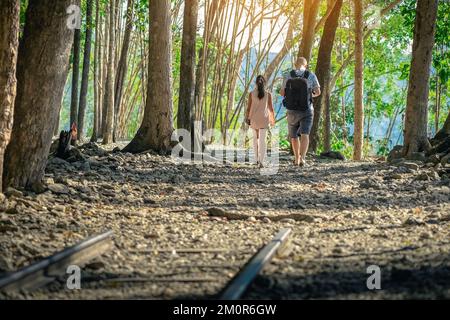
column 277, row 41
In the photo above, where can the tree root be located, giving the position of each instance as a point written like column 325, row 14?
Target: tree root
column 217, row 212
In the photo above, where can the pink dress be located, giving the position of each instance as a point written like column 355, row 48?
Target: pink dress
column 259, row 112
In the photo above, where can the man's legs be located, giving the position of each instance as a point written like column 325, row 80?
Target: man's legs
column 304, row 145
column 296, row 149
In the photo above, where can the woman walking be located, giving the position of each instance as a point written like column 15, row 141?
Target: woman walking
column 260, row 115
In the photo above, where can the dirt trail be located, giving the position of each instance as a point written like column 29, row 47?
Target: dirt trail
column 345, row 217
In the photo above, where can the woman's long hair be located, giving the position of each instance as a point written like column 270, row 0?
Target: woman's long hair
column 261, row 84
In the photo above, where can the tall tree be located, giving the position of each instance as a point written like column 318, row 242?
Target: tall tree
column 310, row 11
column 187, row 69
column 323, row 73
column 109, row 92
column 9, row 41
column 358, row 135
column 86, row 66
column 75, row 76
column 445, row 131
column 97, row 74
column 42, row 68
column 157, row 125
column 122, row 67
column 416, row 118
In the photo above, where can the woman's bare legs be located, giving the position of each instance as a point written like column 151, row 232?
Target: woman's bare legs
column 262, row 147
column 255, row 145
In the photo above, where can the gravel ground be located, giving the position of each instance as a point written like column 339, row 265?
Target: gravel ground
column 345, row 216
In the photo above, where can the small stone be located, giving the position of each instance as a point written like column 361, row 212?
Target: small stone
column 413, row 222
column 395, row 154
column 433, row 175
column 149, row 201
column 12, row 210
column 422, row 177
column 153, row 235
column 434, row 159
column 2, row 197
column 371, row 219
column 266, row 220
column 97, row 265
column 6, row 228
column 58, row 162
column 58, row 188
column 410, row 165
column 85, row 166
column 178, row 179
column 418, row 156
column 425, row 235
column 251, row 219
column 396, row 176
column 445, row 159
column 48, row 181
column 11, row 192
column 287, row 220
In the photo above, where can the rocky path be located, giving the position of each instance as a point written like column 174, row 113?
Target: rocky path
column 345, row 217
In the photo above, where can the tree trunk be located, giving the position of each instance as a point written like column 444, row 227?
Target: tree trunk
column 358, row 135
column 86, row 66
column 187, row 69
column 323, row 73
column 104, row 63
column 157, row 126
column 122, row 67
column 42, row 68
column 109, row 92
column 445, row 131
column 310, row 11
column 416, row 117
column 75, row 77
column 97, row 74
column 211, row 24
column 9, row 41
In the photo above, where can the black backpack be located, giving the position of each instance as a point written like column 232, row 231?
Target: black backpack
column 298, row 96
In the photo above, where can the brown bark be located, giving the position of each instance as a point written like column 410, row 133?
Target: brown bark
column 187, row 70
column 311, row 9
column 42, row 69
column 445, row 131
column 323, row 73
column 109, row 92
column 85, row 73
column 416, row 116
column 211, row 25
column 75, row 76
column 9, row 41
column 358, row 135
column 157, row 125
column 122, row 67
column 104, row 66
column 97, row 74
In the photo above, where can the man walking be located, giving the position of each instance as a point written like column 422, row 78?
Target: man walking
column 298, row 89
